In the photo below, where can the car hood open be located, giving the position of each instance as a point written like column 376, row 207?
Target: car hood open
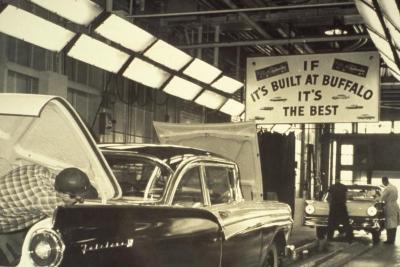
column 235, row 141
column 45, row 130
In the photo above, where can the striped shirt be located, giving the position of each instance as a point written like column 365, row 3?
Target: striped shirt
column 27, row 195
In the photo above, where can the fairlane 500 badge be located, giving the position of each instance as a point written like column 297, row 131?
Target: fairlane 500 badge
column 100, row 246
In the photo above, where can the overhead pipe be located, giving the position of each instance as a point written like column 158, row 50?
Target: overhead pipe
column 255, row 26
column 303, row 49
column 243, row 10
column 264, row 49
column 275, row 42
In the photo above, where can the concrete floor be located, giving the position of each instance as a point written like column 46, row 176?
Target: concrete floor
column 361, row 253
column 379, row 256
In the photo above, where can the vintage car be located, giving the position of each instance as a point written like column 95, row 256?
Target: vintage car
column 157, row 205
column 363, row 206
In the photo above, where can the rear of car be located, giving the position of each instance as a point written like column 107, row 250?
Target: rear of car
column 124, row 236
column 45, row 130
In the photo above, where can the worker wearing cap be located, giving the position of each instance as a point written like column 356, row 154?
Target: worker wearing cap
column 29, row 194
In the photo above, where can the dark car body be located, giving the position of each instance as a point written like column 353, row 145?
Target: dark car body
column 157, row 205
column 363, row 206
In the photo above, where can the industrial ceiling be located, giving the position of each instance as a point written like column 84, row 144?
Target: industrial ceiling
column 226, row 32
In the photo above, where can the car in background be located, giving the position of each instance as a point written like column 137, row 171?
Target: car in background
column 156, row 205
column 363, row 206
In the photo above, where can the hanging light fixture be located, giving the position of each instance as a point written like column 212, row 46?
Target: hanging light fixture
column 182, row 88
column 127, row 34
column 82, row 12
column 30, row 28
column 97, row 53
column 232, row 107
column 227, row 85
column 210, row 99
column 390, row 63
column 383, row 23
column 370, row 17
column 146, row 73
column 168, row 55
column 381, row 44
column 202, row 71
column 171, row 61
column 390, row 10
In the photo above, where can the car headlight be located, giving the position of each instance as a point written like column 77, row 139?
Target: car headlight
column 46, row 248
column 309, row 209
column 372, row 211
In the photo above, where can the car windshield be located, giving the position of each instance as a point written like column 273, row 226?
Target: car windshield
column 363, row 193
column 140, row 178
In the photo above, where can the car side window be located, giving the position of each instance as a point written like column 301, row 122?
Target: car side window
column 189, row 192
column 219, row 181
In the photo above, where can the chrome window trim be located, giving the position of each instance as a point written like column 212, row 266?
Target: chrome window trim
column 129, row 154
column 179, row 178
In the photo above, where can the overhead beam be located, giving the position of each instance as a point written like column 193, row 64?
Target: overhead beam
column 277, row 42
column 255, row 26
column 325, row 16
column 242, row 10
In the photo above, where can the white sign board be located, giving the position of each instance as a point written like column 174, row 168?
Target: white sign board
column 318, row 88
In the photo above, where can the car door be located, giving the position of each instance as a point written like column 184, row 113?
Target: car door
column 189, row 192
column 204, row 248
column 243, row 244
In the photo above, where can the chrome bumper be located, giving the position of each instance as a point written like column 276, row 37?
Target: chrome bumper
column 356, row 223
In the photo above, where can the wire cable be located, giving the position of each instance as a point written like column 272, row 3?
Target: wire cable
column 103, row 98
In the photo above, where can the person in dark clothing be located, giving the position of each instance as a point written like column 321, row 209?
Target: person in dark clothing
column 338, row 211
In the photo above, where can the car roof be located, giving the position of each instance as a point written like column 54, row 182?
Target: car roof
column 162, row 151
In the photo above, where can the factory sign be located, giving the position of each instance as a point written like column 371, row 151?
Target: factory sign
column 318, row 88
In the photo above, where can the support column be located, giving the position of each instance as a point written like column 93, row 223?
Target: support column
column 325, row 157
column 51, row 83
column 302, row 162
column 199, row 41
column 109, row 5
column 200, row 55
column 237, row 70
column 318, row 158
column 3, row 63
column 216, row 49
column 130, row 7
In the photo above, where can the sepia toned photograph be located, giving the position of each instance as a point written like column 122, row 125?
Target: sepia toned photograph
column 199, row 133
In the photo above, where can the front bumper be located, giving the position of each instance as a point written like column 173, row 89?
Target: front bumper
column 357, row 223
